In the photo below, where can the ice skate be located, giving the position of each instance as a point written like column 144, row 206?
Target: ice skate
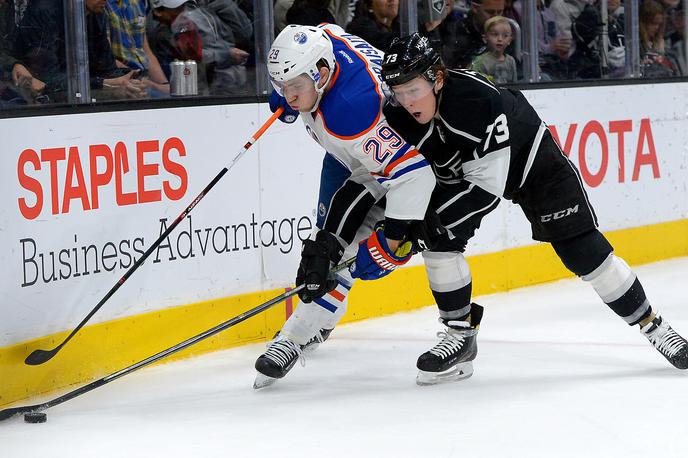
column 315, row 341
column 669, row 343
column 277, row 361
column 452, row 358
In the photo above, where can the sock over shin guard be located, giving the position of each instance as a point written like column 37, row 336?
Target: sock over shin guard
column 324, row 312
column 619, row 288
column 450, row 282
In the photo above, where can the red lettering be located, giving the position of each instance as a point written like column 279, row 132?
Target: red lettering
column 593, row 127
column 650, row 158
column 122, row 162
column 570, row 134
column 30, row 184
column 147, row 170
column 99, row 179
column 174, row 168
column 70, row 191
column 51, row 156
column 620, row 128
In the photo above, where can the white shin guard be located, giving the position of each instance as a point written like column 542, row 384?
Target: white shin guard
column 447, row 272
column 310, row 318
column 611, row 281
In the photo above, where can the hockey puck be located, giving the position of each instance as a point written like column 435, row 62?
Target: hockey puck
column 35, row 417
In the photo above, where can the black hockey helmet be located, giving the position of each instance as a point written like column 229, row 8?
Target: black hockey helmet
column 407, row 58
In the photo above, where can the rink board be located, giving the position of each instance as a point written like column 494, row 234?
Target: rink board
column 83, row 195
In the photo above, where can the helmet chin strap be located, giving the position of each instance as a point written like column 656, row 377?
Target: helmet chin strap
column 438, row 98
column 320, row 91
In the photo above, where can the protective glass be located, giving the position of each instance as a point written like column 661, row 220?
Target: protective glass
column 411, row 92
column 301, row 85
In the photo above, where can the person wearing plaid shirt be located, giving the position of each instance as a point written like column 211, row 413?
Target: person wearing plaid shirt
column 127, row 20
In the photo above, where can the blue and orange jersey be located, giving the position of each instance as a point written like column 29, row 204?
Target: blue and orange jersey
column 350, row 125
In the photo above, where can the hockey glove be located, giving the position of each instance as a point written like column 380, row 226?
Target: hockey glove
column 374, row 258
column 289, row 115
column 317, row 256
column 426, row 234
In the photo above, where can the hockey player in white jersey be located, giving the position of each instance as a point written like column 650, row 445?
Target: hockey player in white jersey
column 331, row 79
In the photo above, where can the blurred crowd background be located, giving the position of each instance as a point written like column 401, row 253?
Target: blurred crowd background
column 81, row 51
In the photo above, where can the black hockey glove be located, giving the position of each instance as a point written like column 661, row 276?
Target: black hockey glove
column 317, row 256
column 426, row 234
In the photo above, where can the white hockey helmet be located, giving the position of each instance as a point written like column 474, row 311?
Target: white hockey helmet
column 296, row 51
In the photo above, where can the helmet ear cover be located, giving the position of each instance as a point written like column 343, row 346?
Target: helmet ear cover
column 299, row 50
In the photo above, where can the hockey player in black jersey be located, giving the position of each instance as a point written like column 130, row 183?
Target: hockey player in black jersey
column 486, row 143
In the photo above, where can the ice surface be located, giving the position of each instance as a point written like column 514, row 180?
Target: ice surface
column 558, row 375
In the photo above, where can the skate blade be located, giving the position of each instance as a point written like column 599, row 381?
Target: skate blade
column 458, row 372
column 263, row 381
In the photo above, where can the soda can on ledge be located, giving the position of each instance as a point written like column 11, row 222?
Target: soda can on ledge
column 177, row 79
column 190, row 77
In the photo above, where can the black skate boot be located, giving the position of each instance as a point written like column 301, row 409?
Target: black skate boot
column 452, row 358
column 277, row 361
column 316, row 340
column 667, row 342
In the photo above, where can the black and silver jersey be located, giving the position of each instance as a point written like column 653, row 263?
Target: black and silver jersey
column 484, row 134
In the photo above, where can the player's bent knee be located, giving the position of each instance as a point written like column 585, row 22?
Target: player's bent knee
column 584, row 253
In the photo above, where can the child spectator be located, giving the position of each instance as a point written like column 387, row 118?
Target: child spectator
column 495, row 63
column 467, row 37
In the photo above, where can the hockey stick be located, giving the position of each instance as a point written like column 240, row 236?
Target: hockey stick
column 7, row 413
column 41, row 356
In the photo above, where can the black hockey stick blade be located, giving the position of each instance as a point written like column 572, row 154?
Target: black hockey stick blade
column 7, row 413
column 11, row 412
column 39, row 356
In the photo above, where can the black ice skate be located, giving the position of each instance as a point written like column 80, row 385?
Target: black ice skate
column 316, row 340
column 667, row 342
column 452, row 358
column 277, row 361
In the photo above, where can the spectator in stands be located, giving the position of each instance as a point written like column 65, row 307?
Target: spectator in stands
column 499, row 66
column 235, row 18
column 18, row 84
column 341, row 11
column 41, row 46
column 376, row 21
column 675, row 42
column 280, row 9
column 565, row 11
column 432, row 23
column 616, row 54
column 653, row 59
column 310, row 12
column 668, row 6
column 468, row 36
column 512, row 10
column 127, row 21
column 195, row 33
column 553, row 46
